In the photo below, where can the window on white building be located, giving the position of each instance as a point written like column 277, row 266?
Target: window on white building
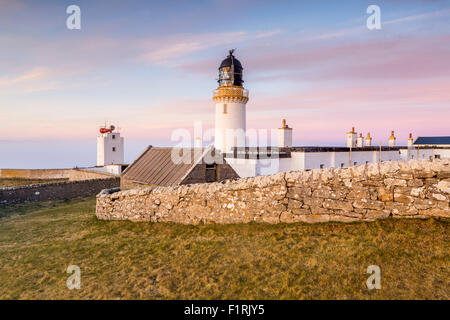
column 113, row 136
column 437, row 156
column 322, row 166
column 114, row 149
column 225, row 108
column 342, row 165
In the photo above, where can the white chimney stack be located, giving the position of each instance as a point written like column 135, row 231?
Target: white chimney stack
column 368, row 140
column 284, row 135
column 410, row 140
column 359, row 142
column 391, row 141
column 351, row 139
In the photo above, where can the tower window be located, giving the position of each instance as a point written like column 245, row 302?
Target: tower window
column 114, row 149
column 225, row 108
column 342, row 165
column 322, row 166
column 113, row 136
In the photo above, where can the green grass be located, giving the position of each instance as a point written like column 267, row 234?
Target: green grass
column 121, row 259
column 17, row 182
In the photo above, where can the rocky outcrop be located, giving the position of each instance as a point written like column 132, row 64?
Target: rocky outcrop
column 413, row 189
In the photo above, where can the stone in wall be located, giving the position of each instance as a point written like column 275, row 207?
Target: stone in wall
column 418, row 188
column 55, row 191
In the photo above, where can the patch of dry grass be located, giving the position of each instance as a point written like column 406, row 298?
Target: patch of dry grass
column 17, row 182
column 120, row 259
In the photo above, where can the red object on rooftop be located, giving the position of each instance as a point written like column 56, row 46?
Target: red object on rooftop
column 105, row 130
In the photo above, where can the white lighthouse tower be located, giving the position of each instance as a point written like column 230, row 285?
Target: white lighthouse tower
column 230, row 99
column 110, row 147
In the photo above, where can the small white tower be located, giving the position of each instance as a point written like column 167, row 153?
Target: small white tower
column 110, row 147
column 391, row 141
column 284, row 135
column 368, row 140
column 359, row 142
column 410, row 140
column 351, row 138
column 231, row 99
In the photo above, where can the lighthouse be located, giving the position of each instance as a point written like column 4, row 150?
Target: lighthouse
column 230, row 98
column 110, row 147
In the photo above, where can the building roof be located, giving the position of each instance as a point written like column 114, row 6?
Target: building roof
column 155, row 166
column 276, row 152
column 432, row 140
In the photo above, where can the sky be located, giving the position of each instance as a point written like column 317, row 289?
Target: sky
column 149, row 67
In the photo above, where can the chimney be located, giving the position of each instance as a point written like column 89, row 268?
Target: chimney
column 391, row 141
column 359, row 142
column 284, row 135
column 368, row 140
column 351, row 138
column 198, row 143
column 410, row 140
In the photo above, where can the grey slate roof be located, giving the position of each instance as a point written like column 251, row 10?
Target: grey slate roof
column 432, row 140
column 156, row 167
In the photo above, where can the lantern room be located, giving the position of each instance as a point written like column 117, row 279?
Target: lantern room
column 230, row 71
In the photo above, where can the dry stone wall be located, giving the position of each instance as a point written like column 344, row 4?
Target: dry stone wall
column 55, row 191
column 80, row 174
column 413, row 189
column 43, row 174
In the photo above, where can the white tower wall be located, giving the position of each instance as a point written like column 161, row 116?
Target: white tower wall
column 110, row 149
column 230, row 125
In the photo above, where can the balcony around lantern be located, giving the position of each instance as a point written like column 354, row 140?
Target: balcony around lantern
column 230, row 91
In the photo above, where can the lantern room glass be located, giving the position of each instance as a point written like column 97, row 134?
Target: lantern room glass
column 225, row 76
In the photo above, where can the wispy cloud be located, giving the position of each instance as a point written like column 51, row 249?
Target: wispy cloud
column 428, row 15
column 33, row 74
column 163, row 50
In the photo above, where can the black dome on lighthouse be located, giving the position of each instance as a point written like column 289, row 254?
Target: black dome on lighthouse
column 230, row 71
column 229, row 61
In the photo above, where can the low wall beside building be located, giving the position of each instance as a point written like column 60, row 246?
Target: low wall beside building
column 413, row 189
column 56, row 191
column 44, row 174
column 83, row 174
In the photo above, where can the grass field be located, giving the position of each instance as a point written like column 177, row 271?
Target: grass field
column 16, row 182
column 120, row 259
